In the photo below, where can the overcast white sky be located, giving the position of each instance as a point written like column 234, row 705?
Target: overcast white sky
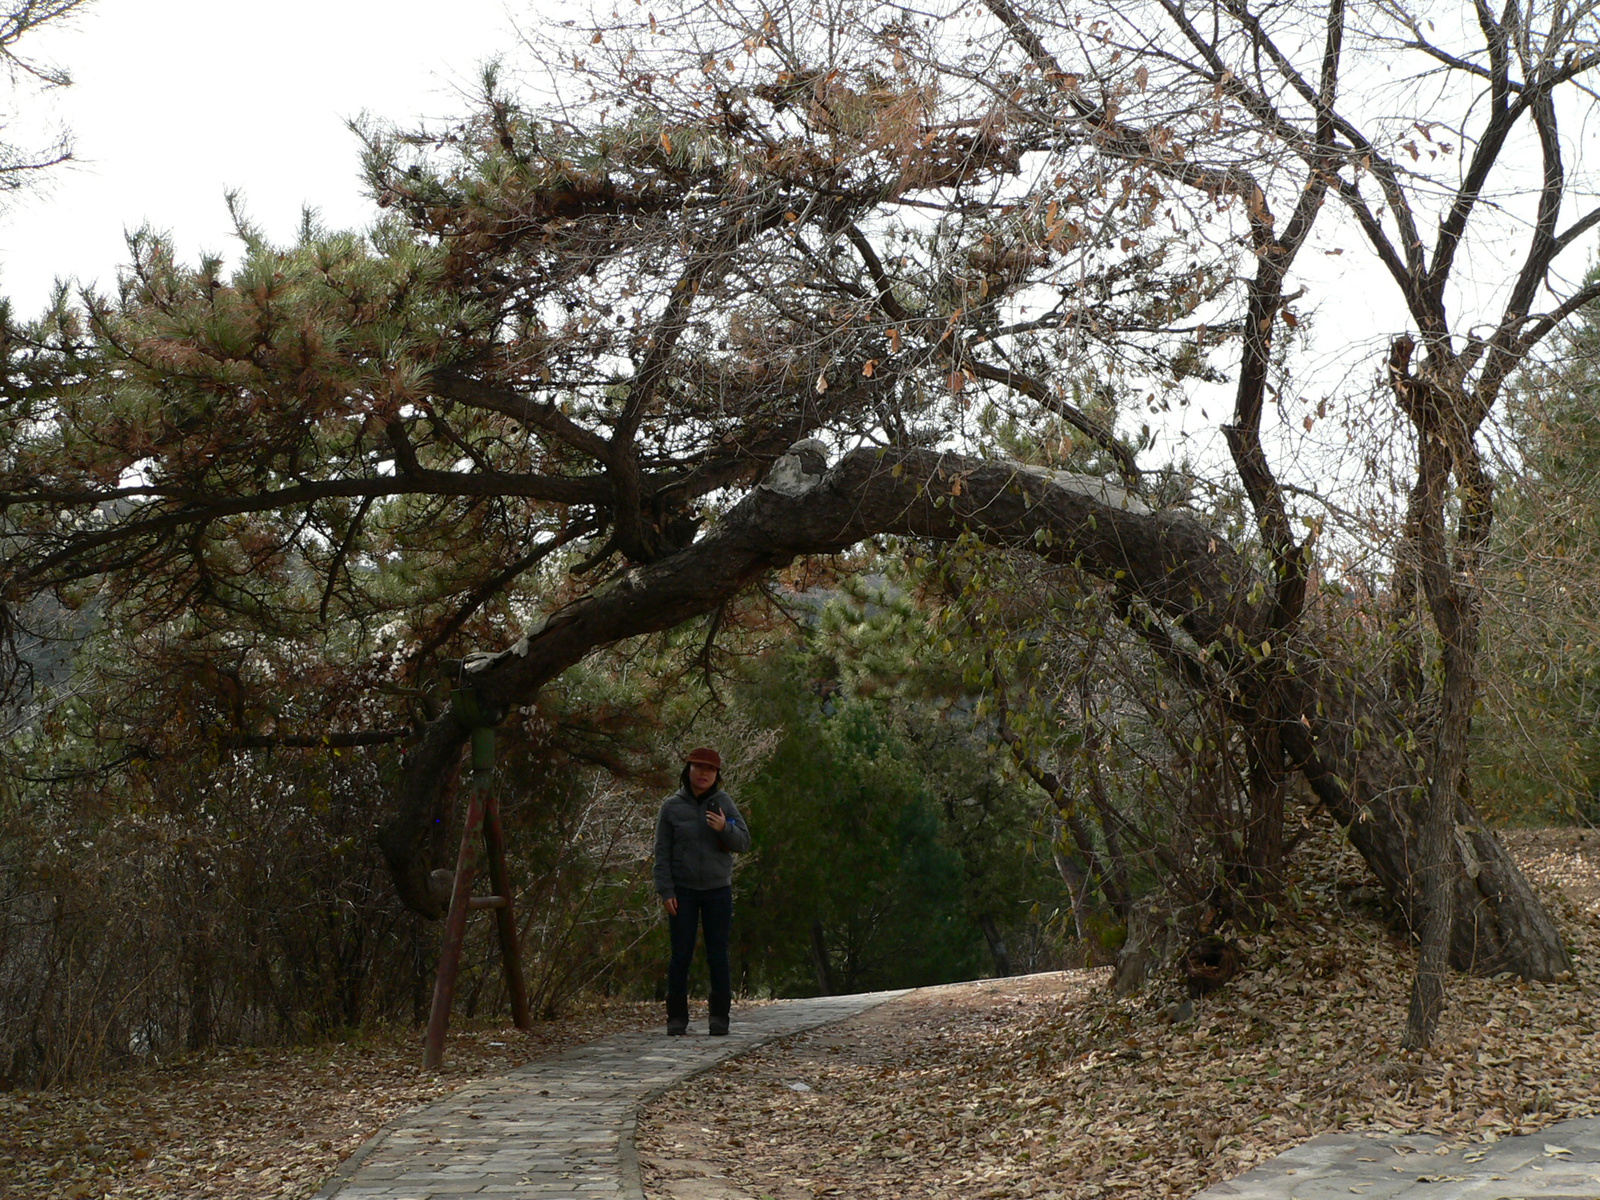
column 177, row 101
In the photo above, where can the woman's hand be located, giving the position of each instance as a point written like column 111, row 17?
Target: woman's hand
column 716, row 820
column 670, row 903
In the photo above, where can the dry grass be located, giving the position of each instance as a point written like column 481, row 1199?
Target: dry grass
column 1061, row 1089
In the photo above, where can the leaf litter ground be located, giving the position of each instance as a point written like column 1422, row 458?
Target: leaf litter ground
column 1037, row 1087
column 267, row 1124
column 1055, row 1087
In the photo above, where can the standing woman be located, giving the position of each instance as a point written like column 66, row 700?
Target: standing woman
column 697, row 834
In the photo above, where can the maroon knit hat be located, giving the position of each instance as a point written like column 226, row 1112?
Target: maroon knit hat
column 706, row 757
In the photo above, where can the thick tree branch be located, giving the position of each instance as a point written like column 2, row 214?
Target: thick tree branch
column 80, row 555
column 541, row 415
column 1338, row 732
column 621, row 455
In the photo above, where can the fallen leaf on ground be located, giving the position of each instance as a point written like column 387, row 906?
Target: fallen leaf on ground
column 253, row 1124
column 1054, row 1087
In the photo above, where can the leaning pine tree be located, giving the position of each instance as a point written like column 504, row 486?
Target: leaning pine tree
column 731, row 304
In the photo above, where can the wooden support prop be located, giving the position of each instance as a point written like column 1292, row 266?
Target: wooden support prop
column 483, row 812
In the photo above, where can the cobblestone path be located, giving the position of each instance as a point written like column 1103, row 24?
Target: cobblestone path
column 1560, row 1162
column 560, row 1128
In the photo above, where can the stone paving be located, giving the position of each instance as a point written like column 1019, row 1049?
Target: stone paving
column 1561, row 1162
column 560, row 1128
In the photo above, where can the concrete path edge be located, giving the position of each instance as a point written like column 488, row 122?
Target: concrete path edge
column 630, row 1176
column 345, row 1171
column 628, row 1152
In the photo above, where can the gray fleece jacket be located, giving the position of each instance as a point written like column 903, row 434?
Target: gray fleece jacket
column 689, row 853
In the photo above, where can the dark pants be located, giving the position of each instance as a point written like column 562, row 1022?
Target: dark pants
column 714, row 910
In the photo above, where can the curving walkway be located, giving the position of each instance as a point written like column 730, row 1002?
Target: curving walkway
column 1560, row 1162
column 560, row 1128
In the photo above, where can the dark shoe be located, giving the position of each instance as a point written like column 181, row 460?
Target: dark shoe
column 677, row 1016
column 719, row 1028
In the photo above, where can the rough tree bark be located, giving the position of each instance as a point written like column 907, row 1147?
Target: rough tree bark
column 1339, row 734
column 997, row 945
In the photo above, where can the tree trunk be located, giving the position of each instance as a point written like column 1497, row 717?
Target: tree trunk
column 202, row 963
column 1442, row 416
column 1353, row 755
column 1344, row 737
column 997, row 946
column 1073, row 874
column 1267, row 788
column 819, row 959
